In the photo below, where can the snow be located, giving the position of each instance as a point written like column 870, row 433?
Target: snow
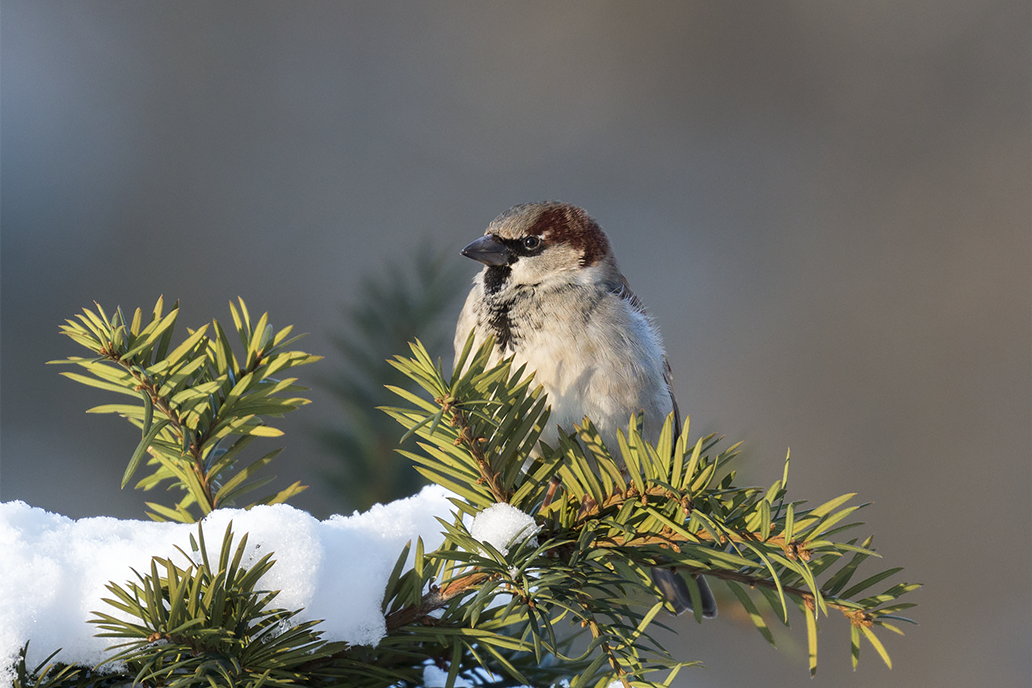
column 53, row 569
column 433, row 677
column 502, row 526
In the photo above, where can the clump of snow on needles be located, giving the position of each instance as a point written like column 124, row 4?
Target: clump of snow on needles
column 502, row 526
column 53, row 570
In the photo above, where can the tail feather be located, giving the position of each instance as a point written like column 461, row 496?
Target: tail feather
column 675, row 590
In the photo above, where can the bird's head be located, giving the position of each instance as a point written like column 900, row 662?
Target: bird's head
column 539, row 244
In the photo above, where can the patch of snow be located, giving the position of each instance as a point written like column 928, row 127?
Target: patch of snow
column 502, row 526
column 53, row 569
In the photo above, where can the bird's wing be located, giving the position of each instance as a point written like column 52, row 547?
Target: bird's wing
column 668, row 377
column 622, row 288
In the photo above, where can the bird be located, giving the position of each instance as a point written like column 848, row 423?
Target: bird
column 551, row 295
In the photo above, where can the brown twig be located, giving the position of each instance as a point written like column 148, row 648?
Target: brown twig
column 436, row 599
column 179, row 429
column 466, row 438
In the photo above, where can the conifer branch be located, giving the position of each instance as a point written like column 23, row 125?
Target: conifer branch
column 473, row 445
column 196, row 398
column 674, row 505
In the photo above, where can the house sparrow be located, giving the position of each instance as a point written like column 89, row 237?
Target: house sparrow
column 554, row 299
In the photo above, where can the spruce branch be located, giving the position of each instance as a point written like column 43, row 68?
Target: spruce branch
column 55, row 674
column 604, row 521
column 206, row 623
column 196, row 399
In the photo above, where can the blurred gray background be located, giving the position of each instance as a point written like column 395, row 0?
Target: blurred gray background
column 825, row 205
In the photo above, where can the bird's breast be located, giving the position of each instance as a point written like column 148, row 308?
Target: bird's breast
column 592, row 352
column 606, row 366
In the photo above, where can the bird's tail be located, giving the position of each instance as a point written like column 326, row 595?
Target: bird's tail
column 675, row 590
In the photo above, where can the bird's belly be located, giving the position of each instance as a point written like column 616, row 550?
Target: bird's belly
column 582, row 380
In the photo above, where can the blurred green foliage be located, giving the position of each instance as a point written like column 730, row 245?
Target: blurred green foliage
column 402, row 302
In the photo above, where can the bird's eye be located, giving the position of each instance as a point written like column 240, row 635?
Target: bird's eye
column 531, row 243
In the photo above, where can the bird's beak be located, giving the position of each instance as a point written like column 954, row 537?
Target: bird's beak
column 489, row 251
